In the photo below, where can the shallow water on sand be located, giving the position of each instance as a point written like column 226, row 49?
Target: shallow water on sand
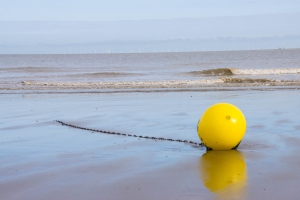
column 42, row 159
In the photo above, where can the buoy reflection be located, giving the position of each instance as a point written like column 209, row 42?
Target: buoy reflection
column 224, row 172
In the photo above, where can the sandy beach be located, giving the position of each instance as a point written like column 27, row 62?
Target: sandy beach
column 41, row 159
column 114, row 100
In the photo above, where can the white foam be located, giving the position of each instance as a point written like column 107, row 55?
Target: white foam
column 265, row 71
column 129, row 84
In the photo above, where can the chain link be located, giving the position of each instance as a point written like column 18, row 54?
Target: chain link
column 129, row 135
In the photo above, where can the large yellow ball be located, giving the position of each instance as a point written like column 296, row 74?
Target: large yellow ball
column 222, row 127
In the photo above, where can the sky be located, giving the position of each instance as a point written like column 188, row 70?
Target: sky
column 114, row 10
column 47, row 26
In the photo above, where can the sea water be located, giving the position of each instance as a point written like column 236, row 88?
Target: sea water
column 151, row 71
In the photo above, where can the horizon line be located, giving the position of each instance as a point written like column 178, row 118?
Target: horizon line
column 154, row 19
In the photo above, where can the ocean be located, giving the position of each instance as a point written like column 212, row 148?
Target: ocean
column 186, row 71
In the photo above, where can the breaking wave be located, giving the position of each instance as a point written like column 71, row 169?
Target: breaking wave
column 266, row 71
column 235, row 71
column 213, row 72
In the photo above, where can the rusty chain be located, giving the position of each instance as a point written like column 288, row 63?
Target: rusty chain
column 129, row 135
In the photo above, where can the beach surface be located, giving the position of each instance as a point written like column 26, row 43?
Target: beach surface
column 41, row 159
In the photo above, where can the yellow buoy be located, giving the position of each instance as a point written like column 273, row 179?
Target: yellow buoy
column 222, row 127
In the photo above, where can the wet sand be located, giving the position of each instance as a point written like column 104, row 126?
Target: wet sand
column 40, row 159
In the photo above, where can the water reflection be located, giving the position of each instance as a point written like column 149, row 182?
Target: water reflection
column 224, row 173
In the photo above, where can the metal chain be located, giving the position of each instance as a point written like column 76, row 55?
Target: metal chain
column 130, row 135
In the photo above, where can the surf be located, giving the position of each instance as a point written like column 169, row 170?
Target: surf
column 237, row 71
